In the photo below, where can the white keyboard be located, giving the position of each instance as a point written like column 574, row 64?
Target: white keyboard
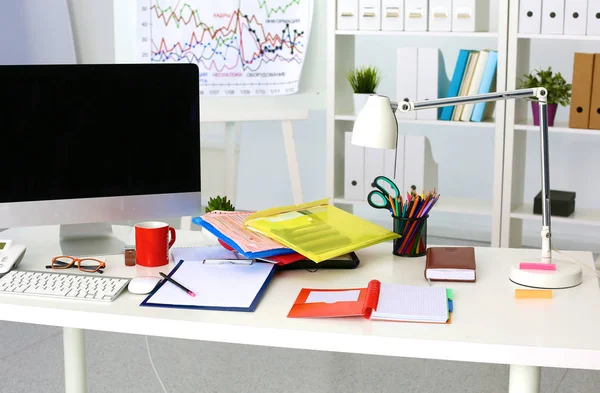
column 92, row 287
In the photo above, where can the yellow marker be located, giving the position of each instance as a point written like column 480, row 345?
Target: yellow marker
column 533, row 294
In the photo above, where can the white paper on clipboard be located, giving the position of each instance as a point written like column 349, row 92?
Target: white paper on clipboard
column 217, row 286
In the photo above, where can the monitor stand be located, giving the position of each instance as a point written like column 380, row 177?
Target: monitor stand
column 89, row 240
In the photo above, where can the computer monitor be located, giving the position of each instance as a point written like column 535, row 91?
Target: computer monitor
column 98, row 144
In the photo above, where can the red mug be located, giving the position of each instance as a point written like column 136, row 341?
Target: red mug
column 153, row 239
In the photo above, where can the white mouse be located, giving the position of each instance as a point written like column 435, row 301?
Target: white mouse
column 142, row 285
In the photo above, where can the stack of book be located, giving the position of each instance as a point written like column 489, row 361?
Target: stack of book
column 474, row 73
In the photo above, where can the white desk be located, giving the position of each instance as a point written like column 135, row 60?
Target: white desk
column 488, row 324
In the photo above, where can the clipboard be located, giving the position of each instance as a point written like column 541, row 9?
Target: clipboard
column 227, row 286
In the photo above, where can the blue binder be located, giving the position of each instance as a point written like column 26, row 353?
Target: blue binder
column 486, row 85
column 457, row 77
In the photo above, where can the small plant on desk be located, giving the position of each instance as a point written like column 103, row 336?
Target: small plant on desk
column 364, row 82
column 559, row 91
column 219, row 203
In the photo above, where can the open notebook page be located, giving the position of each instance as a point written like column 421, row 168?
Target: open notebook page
column 412, row 303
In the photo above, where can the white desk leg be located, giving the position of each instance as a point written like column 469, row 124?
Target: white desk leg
column 524, row 379
column 75, row 368
column 231, row 131
column 292, row 159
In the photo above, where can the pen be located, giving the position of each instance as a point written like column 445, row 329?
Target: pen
column 192, row 294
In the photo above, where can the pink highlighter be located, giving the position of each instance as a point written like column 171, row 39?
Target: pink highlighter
column 536, row 266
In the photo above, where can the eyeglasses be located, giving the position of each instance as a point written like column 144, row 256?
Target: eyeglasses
column 89, row 265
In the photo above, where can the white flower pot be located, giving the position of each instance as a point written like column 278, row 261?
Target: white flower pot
column 359, row 101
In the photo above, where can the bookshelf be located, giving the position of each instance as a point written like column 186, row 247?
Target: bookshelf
column 344, row 43
column 521, row 171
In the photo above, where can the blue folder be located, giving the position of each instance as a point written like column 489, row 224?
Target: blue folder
column 486, row 85
column 457, row 77
column 232, row 244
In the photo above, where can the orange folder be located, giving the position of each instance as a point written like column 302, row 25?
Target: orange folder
column 594, row 123
column 304, row 309
column 583, row 72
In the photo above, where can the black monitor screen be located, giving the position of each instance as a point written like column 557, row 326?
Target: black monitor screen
column 82, row 131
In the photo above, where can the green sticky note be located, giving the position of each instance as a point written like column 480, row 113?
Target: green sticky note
column 449, row 293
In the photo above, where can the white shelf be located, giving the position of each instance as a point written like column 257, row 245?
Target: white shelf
column 485, row 124
column 446, row 34
column 581, row 216
column 445, row 205
column 559, row 126
column 559, row 37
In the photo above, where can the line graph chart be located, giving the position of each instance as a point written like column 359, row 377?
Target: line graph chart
column 242, row 47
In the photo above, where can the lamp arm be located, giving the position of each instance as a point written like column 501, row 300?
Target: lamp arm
column 541, row 95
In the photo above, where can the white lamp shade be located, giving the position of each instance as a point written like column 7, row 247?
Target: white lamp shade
column 376, row 125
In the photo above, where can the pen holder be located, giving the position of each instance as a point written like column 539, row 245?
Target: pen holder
column 413, row 240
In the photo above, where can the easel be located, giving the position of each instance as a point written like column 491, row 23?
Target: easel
column 232, row 130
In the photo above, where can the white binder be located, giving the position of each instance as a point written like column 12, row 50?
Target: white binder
column 369, row 14
column 391, row 157
column 470, row 15
column 354, row 164
column 399, row 177
column 475, row 83
column 593, row 18
column 415, row 15
column 392, row 15
column 440, row 15
column 530, row 17
column 347, row 14
column 427, row 80
column 374, row 166
column 553, row 16
column 420, row 169
column 575, row 17
column 406, row 81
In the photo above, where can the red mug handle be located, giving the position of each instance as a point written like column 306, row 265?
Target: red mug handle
column 172, row 237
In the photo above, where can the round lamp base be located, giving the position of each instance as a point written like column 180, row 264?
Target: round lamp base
column 566, row 275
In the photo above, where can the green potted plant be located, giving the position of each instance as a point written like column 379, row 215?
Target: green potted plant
column 559, row 91
column 219, row 203
column 364, row 81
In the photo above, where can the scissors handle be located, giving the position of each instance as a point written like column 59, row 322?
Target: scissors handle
column 379, row 200
column 385, row 185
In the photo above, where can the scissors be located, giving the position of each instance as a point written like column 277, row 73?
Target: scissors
column 386, row 195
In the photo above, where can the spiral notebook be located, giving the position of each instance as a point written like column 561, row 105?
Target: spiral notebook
column 379, row 301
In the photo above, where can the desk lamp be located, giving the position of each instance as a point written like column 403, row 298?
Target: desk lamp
column 376, row 126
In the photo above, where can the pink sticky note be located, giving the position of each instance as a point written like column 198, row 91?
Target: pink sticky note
column 537, row 266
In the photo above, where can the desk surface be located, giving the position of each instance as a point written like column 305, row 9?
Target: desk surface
column 489, row 325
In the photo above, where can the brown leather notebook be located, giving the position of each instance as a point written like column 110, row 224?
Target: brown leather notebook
column 450, row 264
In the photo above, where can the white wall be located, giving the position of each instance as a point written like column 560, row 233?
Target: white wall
column 464, row 156
column 35, row 32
